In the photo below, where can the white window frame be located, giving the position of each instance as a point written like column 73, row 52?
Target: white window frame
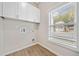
column 75, row 30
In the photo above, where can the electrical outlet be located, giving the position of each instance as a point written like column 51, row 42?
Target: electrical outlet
column 23, row 29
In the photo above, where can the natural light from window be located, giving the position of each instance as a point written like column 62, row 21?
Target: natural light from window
column 62, row 25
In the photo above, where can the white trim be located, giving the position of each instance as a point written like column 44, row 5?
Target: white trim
column 77, row 17
column 66, row 46
column 53, row 10
column 6, row 53
column 43, row 45
column 29, row 45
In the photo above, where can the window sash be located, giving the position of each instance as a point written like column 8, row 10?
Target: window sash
column 75, row 28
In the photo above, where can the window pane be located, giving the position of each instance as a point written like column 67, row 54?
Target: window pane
column 62, row 25
column 63, row 19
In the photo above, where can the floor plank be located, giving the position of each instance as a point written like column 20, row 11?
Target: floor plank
column 35, row 50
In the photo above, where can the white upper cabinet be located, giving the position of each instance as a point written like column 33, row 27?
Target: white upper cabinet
column 10, row 9
column 28, row 12
column 23, row 11
column 35, row 14
column 0, row 8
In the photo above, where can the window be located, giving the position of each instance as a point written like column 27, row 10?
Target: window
column 63, row 19
column 63, row 25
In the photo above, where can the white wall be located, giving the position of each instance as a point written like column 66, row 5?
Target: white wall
column 43, row 29
column 12, row 37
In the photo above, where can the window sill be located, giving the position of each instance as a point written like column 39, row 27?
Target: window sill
column 68, row 46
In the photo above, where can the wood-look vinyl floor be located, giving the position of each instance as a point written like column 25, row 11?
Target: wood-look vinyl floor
column 35, row 50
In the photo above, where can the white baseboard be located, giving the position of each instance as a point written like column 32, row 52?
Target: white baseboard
column 19, row 48
column 29, row 46
column 43, row 45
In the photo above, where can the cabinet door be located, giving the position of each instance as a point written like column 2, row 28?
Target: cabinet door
column 24, row 11
column 34, row 13
column 37, row 15
column 1, row 36
column 10, row 9
column 28, row 12
column 0, row 8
